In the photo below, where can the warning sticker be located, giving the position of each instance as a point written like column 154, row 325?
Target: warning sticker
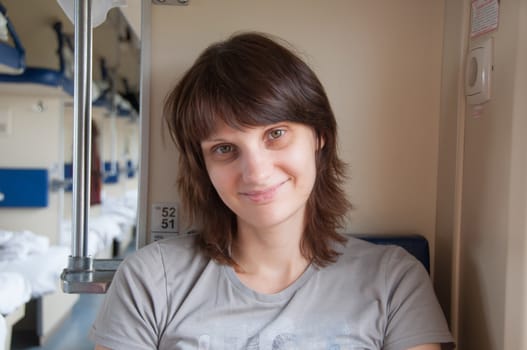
column 484, row 17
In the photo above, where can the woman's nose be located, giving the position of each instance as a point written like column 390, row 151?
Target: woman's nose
column 257, row 166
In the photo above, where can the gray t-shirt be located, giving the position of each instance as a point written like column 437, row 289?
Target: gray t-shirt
column 168, row 295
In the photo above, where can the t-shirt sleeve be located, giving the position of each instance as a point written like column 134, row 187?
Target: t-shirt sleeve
column 414, row 316
column 132, row 314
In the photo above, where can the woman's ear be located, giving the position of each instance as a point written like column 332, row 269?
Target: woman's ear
column 321, row 142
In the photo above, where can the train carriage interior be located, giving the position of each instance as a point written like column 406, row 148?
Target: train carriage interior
column 37, row 159
column 430, row 102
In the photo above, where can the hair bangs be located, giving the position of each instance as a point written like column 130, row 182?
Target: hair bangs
column 234, row 104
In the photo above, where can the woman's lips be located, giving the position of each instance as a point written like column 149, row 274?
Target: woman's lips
column 263, row 195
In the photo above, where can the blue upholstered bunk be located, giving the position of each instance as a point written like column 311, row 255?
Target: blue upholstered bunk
column 123, row 106
column 14, row 56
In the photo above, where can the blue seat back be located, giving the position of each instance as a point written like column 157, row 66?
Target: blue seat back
column 416, row 245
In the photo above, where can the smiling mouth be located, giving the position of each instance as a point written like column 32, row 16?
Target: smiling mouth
column 264, row 195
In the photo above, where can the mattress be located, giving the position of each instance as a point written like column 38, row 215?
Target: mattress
column 15, row 291
column 41, row 270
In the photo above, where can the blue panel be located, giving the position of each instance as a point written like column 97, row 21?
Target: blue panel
column 414, row 244
column 37, row 75
column 11, row 57
column 31, row 75
column 123, row 112
column 68, row 86
column 130, row 169
column 109, row 176
column 105, row 101
column 68, row 175
column 23, row 188
column 102, row 101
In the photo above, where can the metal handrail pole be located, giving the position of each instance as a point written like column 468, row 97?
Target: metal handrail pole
column 82, row 126
column 84, row 274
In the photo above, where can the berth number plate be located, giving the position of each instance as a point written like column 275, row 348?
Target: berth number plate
column 164, row 221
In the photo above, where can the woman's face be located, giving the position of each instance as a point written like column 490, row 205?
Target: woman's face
column 264, row 174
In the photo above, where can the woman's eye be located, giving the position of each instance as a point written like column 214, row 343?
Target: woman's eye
column 276, row 133
column 223, row 149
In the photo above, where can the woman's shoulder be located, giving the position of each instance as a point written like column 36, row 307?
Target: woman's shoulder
column 166, row 252
column 359, row 248
column 186, row 244
column 375, row 269
column 360, row 254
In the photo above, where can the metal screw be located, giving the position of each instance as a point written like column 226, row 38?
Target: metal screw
column 39, row 107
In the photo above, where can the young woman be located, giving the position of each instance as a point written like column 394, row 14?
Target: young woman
column 260, row 181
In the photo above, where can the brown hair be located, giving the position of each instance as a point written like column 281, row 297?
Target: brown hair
column 251, row 80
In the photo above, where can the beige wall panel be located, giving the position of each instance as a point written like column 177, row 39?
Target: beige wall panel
column 494, row 201
column 132, row 13
column 68, row 133
column 132, row 146
column 108, row 137
column 516, row 287
column 449, row 173
column 35, row 141
column 380, row 62
column 122, row 140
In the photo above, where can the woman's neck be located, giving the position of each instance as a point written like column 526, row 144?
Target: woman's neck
column 269, row 260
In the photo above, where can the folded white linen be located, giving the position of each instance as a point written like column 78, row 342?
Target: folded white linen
column 14, row 291
column 120, row 206
column 21, row 244
column 5, row 236
column 3, row 332
column 126, row 213
column 42, row 270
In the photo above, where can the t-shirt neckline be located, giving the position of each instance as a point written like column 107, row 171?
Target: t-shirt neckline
column 281, row 296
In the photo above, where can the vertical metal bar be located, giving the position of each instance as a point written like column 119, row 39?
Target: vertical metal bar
column 142, row 232
column 82, row 126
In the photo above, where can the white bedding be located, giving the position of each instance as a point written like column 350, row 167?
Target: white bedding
column 123, row 210
column 116, row 217
column 126, row 207
column 41, row 270
column 3, row 332
column 15, row 290
column 107, row 227
column 101, row 232
column 19, row 245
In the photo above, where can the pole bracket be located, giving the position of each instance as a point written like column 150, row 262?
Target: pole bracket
column 87, row 275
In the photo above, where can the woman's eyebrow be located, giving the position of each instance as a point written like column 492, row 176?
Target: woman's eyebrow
column 213, row 139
